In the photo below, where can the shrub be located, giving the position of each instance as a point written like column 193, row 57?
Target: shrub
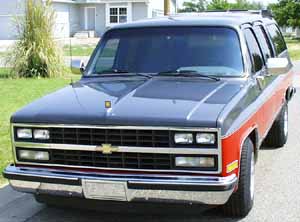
column 36, row 54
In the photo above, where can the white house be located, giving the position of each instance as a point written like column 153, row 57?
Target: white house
column 84, row 16
column 291, row 31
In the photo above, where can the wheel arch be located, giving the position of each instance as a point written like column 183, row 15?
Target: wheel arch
column 289, row 93
column 253, row 135
column 255, row 140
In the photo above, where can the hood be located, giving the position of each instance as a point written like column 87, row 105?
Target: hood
column 160, row 101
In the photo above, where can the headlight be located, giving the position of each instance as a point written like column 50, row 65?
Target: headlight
column 24, row 133
column 41, row 134
column 33, row 155
column 183, row 138
column 208, row 162
column 206, row 138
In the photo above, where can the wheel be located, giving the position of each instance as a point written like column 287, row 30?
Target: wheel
column 278, row 133
column 240, row 203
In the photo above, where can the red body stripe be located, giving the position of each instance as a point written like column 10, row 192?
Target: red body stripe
column 262, row 120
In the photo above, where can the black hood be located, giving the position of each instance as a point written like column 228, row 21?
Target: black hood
column 160, row 101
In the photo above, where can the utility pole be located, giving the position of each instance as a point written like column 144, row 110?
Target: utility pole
column 166, row 7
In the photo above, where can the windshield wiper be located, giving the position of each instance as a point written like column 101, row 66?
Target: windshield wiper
column 187, row 73
column 110, row 71
column 118, row 73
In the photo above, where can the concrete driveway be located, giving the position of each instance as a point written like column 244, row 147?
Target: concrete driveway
column 277, row 193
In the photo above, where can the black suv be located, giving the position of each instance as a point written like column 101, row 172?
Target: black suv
column 169, row 109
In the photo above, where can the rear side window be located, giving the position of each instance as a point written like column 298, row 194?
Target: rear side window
column 277, row 38
column 254, row 50
column 264, row 43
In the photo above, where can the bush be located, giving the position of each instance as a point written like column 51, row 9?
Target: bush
column 36, row 54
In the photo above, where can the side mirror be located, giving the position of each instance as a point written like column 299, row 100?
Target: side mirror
column 278, row 66
column 77, row 66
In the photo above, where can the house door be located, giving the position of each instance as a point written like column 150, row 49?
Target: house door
column 90, row 23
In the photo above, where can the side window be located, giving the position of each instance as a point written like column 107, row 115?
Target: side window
column 254, row 50
column 264, row 43
column 107, row 58
column 277, row 38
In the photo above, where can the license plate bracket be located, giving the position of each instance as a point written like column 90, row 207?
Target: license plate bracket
column 104, row 190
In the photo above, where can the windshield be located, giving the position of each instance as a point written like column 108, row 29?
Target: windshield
column 208, row 50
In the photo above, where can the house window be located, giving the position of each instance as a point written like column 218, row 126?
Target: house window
column 118, row 15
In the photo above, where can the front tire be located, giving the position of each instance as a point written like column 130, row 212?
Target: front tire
column 278, row 134
column 241, row 202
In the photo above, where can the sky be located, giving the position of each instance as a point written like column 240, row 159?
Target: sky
column 265, row 2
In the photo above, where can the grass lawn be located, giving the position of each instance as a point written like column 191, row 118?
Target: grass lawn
column 294, row 48
column 2, row 54
column 79, row 50
column 4, row 72
column 16, row 93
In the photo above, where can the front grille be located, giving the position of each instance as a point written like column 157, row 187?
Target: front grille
column 115, row 160
column 146, row 161
column 125, row 138
column 115, row 137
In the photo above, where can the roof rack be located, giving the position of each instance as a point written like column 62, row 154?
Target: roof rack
column 264, row 12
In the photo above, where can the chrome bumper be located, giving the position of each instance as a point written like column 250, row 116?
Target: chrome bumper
column 190, row 189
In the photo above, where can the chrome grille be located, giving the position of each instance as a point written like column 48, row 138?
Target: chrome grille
column 116, row 137
column 121, row 160
column 115, row 160
column 136, row 147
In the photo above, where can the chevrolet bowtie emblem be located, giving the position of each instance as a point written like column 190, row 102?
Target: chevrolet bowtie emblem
column 107, row 149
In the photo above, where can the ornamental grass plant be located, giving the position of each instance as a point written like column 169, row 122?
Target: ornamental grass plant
column 36, row 53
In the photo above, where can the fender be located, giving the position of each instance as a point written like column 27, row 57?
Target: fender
column 254, row 122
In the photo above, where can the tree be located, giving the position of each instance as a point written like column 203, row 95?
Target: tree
column 194, row 6
column 279, row 12
column 287, row 13
column 201, row 5
column 36, row 54
column 246, row 5
column 218, row 5
column 239, row 4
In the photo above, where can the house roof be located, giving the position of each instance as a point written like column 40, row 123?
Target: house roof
column 195, row 19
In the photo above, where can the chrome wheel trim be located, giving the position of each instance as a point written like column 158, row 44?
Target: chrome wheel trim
column 286, row 122
column 252, row 179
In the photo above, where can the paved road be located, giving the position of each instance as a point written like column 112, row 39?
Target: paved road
column 297, row 66
column 277, row 193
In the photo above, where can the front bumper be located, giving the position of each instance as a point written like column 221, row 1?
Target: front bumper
column 122, row 187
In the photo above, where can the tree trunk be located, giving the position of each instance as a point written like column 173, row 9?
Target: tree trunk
column 166, row 7
column 297, row 32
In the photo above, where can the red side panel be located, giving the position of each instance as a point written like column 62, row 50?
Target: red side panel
column 231, row 145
